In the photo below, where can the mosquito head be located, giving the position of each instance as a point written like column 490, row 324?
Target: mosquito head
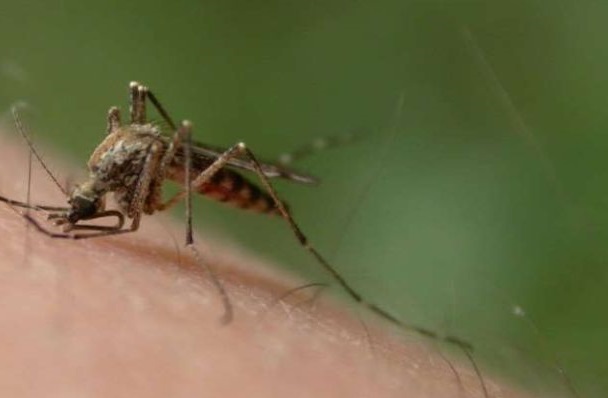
column 81, row 208
column 84, row 203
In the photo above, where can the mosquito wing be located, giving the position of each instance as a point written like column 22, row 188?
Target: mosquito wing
column 203, row 155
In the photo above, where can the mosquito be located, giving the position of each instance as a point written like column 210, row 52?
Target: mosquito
column 133, row 162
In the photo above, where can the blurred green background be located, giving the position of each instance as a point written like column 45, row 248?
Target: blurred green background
column 478, row 195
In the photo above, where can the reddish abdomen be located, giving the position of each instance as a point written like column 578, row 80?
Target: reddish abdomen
column 230, row 187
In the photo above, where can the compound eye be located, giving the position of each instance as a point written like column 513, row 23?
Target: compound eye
column 81, row 208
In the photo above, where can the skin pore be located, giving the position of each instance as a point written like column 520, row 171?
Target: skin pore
column 136, row 316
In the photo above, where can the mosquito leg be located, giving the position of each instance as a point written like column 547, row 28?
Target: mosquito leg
column 326, row 265
column 241, row 149
column 120, row 221
column 185, row 131
column 147, row 177
column 154, row 198
column 203, row 177
column 98, row 230
column 183, row 135
column 161, row 110
column 113, row 120
column 465, row 346
column 138, row 95
column 101, row 230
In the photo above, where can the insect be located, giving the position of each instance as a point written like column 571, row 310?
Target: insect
column 133, row 162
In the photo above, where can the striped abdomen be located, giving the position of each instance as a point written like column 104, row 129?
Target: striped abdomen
column 230, row 187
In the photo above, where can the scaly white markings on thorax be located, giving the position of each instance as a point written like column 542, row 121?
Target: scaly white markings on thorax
column 117, row 163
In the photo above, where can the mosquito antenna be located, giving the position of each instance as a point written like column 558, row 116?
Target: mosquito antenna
column 33, row 150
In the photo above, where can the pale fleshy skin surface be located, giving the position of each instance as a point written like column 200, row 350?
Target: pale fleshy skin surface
column 133, row 316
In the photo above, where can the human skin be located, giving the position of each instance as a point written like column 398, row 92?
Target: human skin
column 136, row 316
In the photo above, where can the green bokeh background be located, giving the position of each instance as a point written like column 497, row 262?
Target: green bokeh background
column 455, row 210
